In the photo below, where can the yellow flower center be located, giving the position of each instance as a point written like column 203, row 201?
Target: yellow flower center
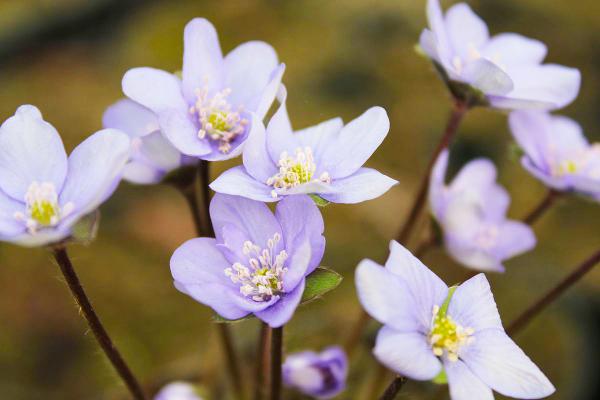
column 295, row 170
column 446, row 336
column 217, row 120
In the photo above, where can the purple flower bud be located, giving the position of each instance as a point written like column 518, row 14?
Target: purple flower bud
column 42, row 192
column 206, row 114
column 557, row 153
column 504, row 71
column 321, row 375
column 178, row 391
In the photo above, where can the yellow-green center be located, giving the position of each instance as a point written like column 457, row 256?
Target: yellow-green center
column 446, row 336
column 44, row 211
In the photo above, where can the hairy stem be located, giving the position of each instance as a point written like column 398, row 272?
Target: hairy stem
column 394, row 388
column 262, row 362
column 456, row 116
column 197, row 194
column 543, row 206
column 276, row 358
column 536, row 308
column 104, row 340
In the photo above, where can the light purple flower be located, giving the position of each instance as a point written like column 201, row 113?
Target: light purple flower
column 321, row 375
column 258, row 262
column 557, row 152
column 207, row 113
column 472, row 214
column 324, row 160
column 152, row 155
column 506, row 69
column 430, row 328
column 42, row 192
column 178, row 391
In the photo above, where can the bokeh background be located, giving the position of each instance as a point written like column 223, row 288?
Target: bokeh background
column 68, row 56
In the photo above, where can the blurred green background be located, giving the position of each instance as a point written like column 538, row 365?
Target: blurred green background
column 68, row 56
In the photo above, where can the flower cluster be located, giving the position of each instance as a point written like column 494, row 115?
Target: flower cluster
column 260, row 262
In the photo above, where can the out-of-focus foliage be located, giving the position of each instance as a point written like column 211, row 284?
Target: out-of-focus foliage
column 67, row 57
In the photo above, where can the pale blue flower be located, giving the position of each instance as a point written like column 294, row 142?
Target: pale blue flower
column 430, row 328
column 206, row 114
column 257, row 263
column 472, row 214
column 557, row 152
column 42, row 192
column 505, row 69
column 324, row 160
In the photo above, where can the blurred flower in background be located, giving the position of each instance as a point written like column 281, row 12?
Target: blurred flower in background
column 505, row 69
column 472, row 214
column 178, row 391
column 557, row 153
column 152, row 155
column 321, row 375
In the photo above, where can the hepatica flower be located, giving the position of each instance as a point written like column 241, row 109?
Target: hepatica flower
column 206, row 114
column 178, row 391
column 504, row 71
column 472, row 214
column 42, row 192
column 430, row 328
column 152, row 155
column 557, row 152
column 321, row 375
column 324, row 160
column 258, row 261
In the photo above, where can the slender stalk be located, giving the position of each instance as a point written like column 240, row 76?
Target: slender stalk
column 104, row 340
column 276, row 353
column 231, row 356
column 197, row 194
column 393, row 389
column 522, row 320
column 356, row 332
column 458, row 112
column 262, row 363
column 377, row 381
column 206, row 228
column 542, row 207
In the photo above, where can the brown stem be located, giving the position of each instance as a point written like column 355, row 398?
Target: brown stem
column 262, row 363
column 197, row 194
column 276, row 359
column 104, row 340
column 542, row 207
column 393, row 389
column 521, row 321
column 458, row 112
column 356, row 332
column 377, row 382
column 204, row 199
